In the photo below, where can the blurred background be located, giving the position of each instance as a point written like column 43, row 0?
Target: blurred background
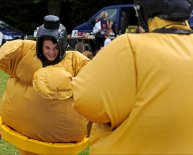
column 26, row 15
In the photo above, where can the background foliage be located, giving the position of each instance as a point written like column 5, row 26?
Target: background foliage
column 26, row 15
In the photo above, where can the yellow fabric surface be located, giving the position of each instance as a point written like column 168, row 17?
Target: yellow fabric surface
column 11, row 54
column 45, row 84
column 138, row 91
column 25, row 110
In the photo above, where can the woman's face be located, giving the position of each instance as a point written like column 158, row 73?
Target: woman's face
column 50, row 50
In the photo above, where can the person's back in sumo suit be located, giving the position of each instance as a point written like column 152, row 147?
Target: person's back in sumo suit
column 22, row 108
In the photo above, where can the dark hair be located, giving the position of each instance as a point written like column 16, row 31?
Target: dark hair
column 49, row 38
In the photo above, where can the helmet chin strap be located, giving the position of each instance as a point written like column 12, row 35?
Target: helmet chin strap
column 141, row 21
column 173, row 30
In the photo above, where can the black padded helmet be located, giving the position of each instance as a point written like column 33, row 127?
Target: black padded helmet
column 175, row 10
column 51, row 29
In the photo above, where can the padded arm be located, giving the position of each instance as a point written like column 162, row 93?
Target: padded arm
column 53, row 83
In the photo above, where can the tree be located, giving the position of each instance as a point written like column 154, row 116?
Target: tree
column 54, row 7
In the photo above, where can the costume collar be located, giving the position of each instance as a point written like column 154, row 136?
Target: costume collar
column 158, row 23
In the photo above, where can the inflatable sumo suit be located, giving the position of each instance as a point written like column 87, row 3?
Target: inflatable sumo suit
column 142, row 100
column 22, row 108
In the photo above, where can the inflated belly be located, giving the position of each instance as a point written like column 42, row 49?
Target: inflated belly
column 47, row 120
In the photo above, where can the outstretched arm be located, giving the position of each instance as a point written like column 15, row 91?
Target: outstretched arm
column 11, row 53
column 54, row 82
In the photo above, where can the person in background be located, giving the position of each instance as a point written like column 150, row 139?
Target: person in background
column 23, row 107
column 104, row 26
column 124, row 21
column 137, row 91
column 107, row 38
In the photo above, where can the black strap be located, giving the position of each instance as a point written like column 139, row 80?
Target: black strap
column 173, row 31
column 89, row 127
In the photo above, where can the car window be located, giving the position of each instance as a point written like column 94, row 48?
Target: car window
column 112, row 13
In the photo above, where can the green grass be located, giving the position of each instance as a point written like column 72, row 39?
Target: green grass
column 3, row 79
column 5, row 147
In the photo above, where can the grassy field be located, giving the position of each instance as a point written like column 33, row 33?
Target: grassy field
column 5, row 147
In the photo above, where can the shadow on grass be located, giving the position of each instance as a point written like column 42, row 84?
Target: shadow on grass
column 9, row 149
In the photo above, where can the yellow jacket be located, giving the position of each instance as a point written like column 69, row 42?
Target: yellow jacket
column 139, row 92
column 24, row 110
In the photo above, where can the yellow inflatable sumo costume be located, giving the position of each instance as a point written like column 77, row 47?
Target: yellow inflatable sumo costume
column 138, row 90
column 22, row 108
